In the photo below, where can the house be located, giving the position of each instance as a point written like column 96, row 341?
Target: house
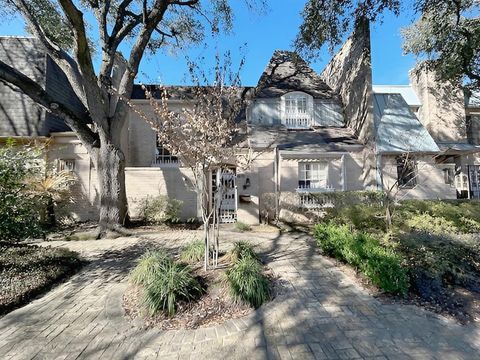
column 307, row 134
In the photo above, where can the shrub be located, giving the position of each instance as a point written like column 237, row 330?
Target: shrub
column 247, row 282
column 20, row 208
column 160, row 210
column 242, row 249
column 149, row 267
column 176, row 283
column 430, row 224
column 240, row 226
column 165, row 282
column 378, row 263
column 193, row 252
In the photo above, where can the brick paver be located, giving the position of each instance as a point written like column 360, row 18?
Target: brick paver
column 320, row 314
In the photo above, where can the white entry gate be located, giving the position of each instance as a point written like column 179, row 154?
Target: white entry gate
column 225, row 189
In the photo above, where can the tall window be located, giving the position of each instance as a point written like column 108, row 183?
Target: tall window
column 312, row 175
column 297, row 111
column 406, row 171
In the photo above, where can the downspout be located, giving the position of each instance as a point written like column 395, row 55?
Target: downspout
column 275, row 179
column 378, row 160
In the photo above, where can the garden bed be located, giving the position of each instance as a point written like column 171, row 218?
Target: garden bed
column 206, row 297
column 27, row 271
column 438, row 244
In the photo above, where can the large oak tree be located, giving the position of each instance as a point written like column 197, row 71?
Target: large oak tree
column 447, row 32
column 66, row 29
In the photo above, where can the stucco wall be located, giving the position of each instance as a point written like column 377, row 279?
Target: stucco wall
column 85, row 192
column 443, row 106
column 176, row 183
column 430, row 179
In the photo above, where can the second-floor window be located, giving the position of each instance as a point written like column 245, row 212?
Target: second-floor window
column 312, row 175
column 297, row 112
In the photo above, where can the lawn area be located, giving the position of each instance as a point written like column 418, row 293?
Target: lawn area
column 28, row 270
column 437, row 243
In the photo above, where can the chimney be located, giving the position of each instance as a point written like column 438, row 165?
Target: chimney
column 443, row 105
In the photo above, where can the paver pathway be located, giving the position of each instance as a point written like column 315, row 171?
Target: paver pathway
column 321, row 314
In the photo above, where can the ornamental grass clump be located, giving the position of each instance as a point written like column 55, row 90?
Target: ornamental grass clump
column 193, row 252
column 165, row 282
column 247, row 281
column 381, row 265
column 242, row 249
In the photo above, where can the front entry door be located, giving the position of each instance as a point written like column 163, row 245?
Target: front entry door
column 474, row 180
column 224, row 187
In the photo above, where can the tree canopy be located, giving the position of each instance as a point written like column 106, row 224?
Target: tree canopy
column 447, row 32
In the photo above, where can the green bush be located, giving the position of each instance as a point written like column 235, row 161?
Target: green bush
column 165, row 282
column 247, row 282
column 20, row 207
column 240, row 226
column 193, row 252
column 430, row 224
column 378, row 263
column 242, row 249
column 160, row 210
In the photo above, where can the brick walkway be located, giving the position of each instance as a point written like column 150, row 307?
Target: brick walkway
column 322, row 314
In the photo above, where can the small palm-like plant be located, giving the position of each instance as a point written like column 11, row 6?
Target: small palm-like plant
column 193, row 252
column 247, row 282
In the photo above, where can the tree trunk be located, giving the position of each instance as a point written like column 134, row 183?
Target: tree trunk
column 111, row 180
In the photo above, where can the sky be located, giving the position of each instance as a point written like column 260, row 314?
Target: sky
column 258, row 34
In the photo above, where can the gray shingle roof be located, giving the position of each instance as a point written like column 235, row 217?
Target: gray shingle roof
column 325, row 139
column 288, row 72
column 397, row 129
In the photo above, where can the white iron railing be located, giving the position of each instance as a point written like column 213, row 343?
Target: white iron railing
column 166, row 160
column 303, row 122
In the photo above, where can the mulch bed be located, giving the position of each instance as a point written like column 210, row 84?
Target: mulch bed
column 213, row 307
column 27, row 271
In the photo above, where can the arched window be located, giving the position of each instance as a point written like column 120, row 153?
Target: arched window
column 297, row 110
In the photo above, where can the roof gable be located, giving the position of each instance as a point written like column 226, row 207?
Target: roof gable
column 287, row 72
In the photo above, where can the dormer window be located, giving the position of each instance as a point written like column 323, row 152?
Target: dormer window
column 297, row 110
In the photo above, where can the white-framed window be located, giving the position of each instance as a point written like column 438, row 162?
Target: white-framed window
column 66, row 165
column 297, row 110
column 163, row 156
column 312, row 175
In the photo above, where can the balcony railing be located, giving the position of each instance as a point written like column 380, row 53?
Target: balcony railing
column 166, row 161
column 303, row 122
column 315, row 198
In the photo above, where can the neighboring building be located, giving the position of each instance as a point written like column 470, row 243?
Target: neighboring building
column 308, row 133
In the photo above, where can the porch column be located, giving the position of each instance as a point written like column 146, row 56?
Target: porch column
column 344, row 172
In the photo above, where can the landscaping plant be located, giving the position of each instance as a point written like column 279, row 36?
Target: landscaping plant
column 242, row 249
column 381, row 265
column 160, row 209
column 193, row 252
column 240, row 226
column 165, row 282
column 247, row 281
